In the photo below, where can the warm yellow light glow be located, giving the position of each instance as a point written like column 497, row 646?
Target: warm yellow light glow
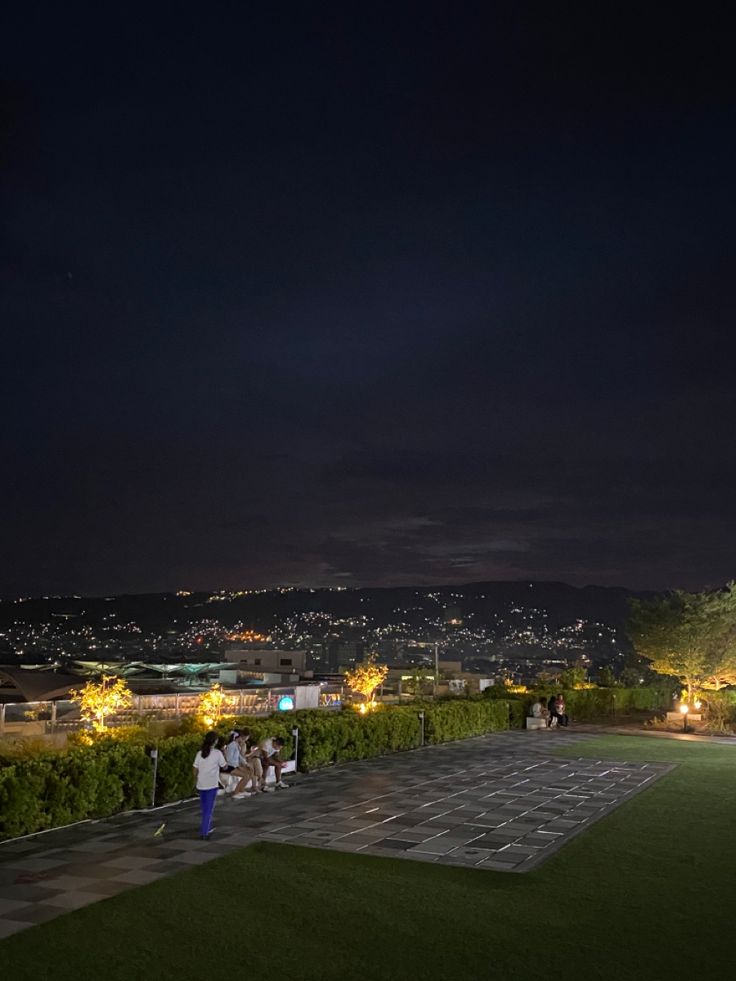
column 367, row 707
column 684, row 709
column 698, row 705
column 366, row 677
column 211, row 705
column 249, row 637
column 97, row 701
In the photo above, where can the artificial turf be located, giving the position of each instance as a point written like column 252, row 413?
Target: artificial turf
column 646, row 893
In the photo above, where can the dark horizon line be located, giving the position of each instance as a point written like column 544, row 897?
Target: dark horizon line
column 336, row 588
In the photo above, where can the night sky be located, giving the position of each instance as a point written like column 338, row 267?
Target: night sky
column 325, row 294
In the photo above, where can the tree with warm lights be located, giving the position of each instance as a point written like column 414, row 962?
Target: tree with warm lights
column 366, row 676
column 690, row 636
column 211, row 705
column 97, row 700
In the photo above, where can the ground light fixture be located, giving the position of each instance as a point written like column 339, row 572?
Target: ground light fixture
column 684, row 708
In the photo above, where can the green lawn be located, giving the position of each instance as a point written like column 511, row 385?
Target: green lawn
column 647, row 893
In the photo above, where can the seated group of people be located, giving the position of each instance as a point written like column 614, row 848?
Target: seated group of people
column 251, row 762
column 552, row 710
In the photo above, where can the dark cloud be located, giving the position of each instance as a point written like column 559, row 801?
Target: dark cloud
column 302, row 299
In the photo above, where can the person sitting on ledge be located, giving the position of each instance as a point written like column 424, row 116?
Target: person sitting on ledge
column 239, row 767
column 270, row 756
column 540, row 710
column 558, row 711
column 250, row 757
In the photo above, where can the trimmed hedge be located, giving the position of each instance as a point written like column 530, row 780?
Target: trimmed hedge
column 589, row 704
column 52, row 788
column 59, row 788
column 459, row 718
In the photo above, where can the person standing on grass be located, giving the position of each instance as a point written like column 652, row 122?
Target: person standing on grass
column 207, row 765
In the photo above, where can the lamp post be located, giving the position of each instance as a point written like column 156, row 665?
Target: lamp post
column 684, row 708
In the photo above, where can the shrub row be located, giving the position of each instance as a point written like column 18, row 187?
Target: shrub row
column 52, row 788
column 336, row 738
column 588, row 704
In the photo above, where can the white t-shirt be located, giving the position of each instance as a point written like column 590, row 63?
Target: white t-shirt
column 268, row 749
column 208, row 769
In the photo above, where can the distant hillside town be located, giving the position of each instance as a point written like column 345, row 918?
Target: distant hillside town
column 504, row 631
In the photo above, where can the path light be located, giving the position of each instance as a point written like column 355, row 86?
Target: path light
column 684, row 708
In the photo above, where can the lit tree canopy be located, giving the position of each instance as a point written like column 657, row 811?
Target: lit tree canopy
column 211, row 704
column 366, row 677
column 97, row 700
column 690, row 636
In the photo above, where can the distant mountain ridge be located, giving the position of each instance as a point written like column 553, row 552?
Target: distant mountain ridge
column 158, row 611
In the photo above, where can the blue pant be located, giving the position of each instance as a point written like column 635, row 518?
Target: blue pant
column 207, row 800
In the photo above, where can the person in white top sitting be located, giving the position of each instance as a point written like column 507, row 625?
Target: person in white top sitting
column 239, row 766
column 207, row 765
column 270, row 756
column 540, row 711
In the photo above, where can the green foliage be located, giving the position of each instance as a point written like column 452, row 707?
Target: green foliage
column 326, row 737
column 174, row 777
column 11, row 751
column 419, row 683
column 517, row 714
column 501, row 691
column 572, row 677
column 689, row 636
column 720, row 711
column 606, row 678
column 592, row 704
column 54, row 789
column 462, row 717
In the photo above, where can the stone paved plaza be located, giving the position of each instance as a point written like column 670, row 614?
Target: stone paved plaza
column 501, row 802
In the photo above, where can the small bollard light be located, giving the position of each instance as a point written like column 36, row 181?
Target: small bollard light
column 684, row 708
column 421, row 720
